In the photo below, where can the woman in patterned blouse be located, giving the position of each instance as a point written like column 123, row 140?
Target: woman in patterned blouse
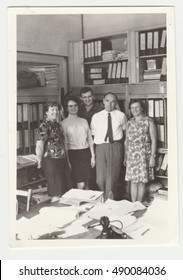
column 140, row 150
column 51, row 153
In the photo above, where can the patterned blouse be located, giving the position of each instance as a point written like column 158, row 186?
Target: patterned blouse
column 52, row 135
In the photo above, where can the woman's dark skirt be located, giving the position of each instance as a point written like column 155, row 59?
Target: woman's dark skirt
column 58, row 175
column 80, row 165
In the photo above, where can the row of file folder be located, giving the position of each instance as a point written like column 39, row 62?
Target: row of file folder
column 152, row 42
column 29, row 117
column 93, row 49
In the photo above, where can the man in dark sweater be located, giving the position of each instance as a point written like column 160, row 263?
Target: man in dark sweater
column 87, row 109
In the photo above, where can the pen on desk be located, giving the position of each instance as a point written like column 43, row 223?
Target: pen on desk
column 145, row 231
column 92, row 196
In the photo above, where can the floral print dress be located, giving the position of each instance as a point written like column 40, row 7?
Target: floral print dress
column 52, row 134
column 138, row 149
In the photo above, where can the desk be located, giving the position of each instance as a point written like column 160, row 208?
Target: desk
column 29, row 180
column 74, row 228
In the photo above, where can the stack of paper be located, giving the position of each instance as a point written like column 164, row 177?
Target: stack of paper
column 78, row 197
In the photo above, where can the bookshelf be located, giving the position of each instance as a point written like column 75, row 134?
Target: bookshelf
column 155, row 102
column 106, row 60
column 151, row 55
column 39, row 79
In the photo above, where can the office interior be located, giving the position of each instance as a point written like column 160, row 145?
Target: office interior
column 59, row 40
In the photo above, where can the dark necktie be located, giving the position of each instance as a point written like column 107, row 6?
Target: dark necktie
column 109, row 133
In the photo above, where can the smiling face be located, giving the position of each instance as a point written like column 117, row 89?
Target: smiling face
column 52, row 113
column 109, row 102
column 87, row 98
column 72, row 107
column 136, row 109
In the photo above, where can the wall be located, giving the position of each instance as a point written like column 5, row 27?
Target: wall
column 47, row 34
column 98, row 25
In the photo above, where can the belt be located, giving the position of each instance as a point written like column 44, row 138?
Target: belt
column 115, row 141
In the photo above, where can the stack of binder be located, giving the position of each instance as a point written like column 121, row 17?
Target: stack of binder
column 117, row 72
column 96, row 76
column 152, row 42
column 93, row 49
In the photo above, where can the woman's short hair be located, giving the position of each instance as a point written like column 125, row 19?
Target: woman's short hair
column 50, row 104
column 137, row 101
column 71, row 98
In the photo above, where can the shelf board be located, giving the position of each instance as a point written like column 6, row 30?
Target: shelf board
column 162, row 150
column 104, row 61
column 152, row 55
column 161, row 176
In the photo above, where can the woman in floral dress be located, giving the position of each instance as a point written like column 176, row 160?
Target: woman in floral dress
column 52, row 154
column 140, row 150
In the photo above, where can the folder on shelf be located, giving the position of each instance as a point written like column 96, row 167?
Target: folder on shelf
column 161, row 111
column 19, row 142
column 157, row 111
column 161, row 135
column 99, row 50
column 92, row 51
column 85, row 52
column 34, row 115
column 89, row 52
column 123, row 72
column 19, row 117
column 95, row 70
column 25, row 116
column 96, row 49
column 95, row 76
column 113, row 77
column 149, row 42
column 164, row 165
column 118, row 71
column 151, row 108
column 156, row 42
column 26, row 141
column 109, row 75
column 41, row 113
column 159, row 161
column 164, row 70
column 163, row 42
column 99, row 82
column 142, row 44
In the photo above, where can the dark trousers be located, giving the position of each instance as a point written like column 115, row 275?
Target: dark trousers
column 108, row 166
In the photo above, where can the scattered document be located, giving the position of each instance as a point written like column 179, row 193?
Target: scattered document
column 59, row 216
column 78, row 197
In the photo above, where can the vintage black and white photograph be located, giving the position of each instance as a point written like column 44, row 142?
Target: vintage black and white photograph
column 93, row 155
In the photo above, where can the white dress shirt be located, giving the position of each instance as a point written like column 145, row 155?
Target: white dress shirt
column 99, row 125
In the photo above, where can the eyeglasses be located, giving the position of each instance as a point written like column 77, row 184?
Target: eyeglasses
column 70, row 106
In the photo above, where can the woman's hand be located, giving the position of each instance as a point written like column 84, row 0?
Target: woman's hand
column 93, row 161
column 152, row 161
column 124, row 160
column 39, row 164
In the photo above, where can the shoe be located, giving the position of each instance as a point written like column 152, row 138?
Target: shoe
column 55, row 198
column 110, row 195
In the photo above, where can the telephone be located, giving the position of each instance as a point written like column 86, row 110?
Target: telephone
column 109, row 231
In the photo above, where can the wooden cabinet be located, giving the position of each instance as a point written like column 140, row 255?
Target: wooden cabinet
column 151, row 55
column 32, row 96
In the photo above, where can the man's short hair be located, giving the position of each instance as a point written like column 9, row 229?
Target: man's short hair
column 111, row 94
column 85, row 89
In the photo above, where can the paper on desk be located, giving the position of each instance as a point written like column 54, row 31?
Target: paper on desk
column 125, row 205
column 82, row 195
column 137, row 230
column 59, row 216
column 156, row 217
column 117, row 208
column 73, row 229
column 33, row 228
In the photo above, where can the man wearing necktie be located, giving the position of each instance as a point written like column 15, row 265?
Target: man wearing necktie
column 108, row 128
